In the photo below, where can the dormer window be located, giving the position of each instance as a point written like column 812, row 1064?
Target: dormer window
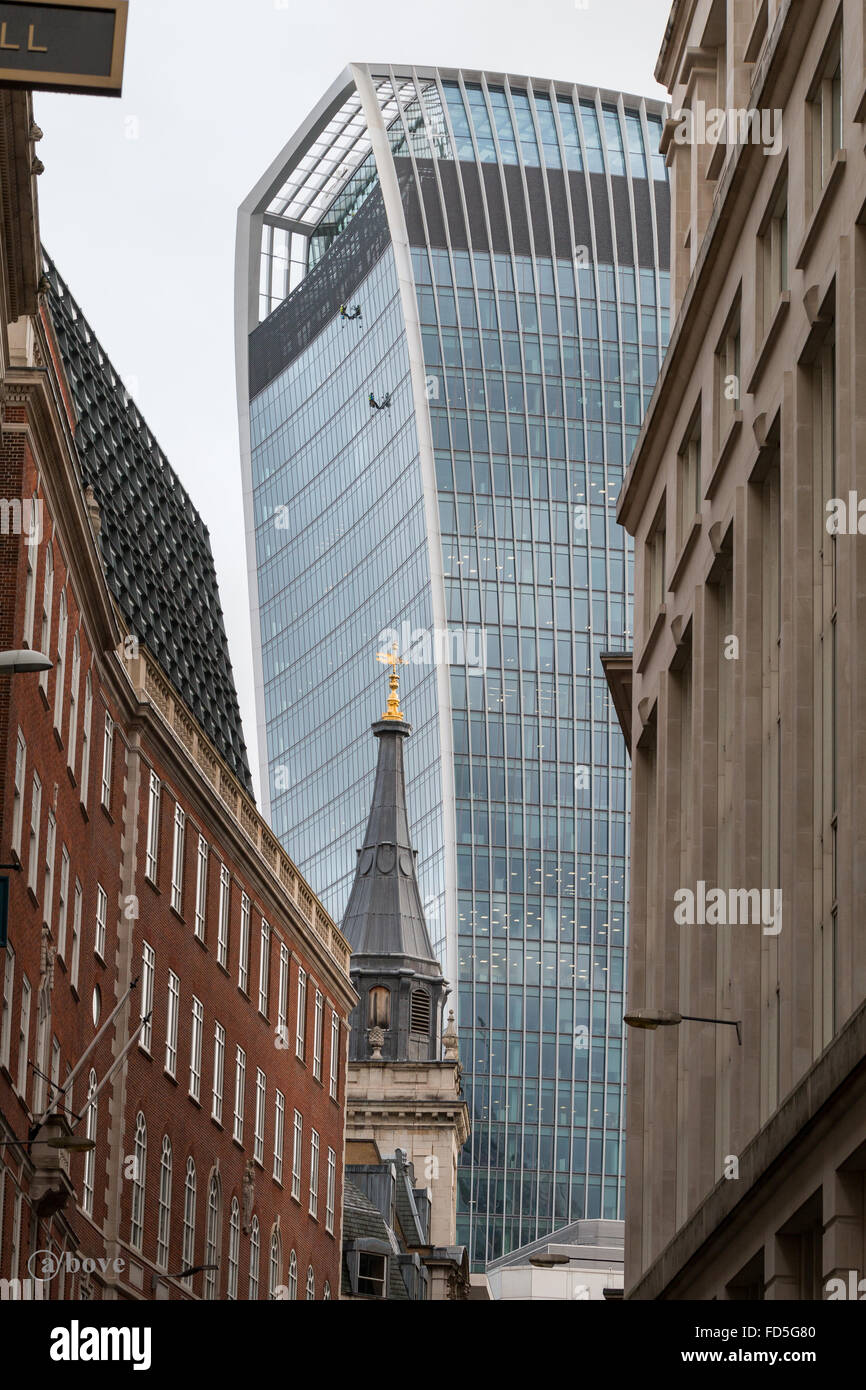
column 379, row 1007
column 371, row 1274
column 420, row 1012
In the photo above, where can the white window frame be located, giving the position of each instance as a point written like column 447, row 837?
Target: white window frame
column 8, row 996
column 91, row 1126
column 223, row 921
column 32, row 550
column 35, row 833
column 201, row 888
column 283, row 997
column 139, row 1173
column 85, row 738
column 255, row 1253
column 101, row 921
column 172, row 1015
column 177, row 858
column 63, row 902
column 279, row 1132
column 331, row 1192
column 107, row 762
column 195, row 1041
column 318, row 1034
column 75, row 954
column 297, row 1153
column 23, row 1036
column 259, row 1129
column 48, row 888
column 219, row 1062
column 234, row 1250
column 275, row 1263
column 163, row 1232
column 47, row 613
column 240, row 1086
column 18, row 803
column 335, row 1054
column 213, row 1235
column 189, row 1213
column 264, row 966
column 148, row 971
column 244, row 951
column 153, row 798
column 60, row 663
column 74, row 685
column 314, row 1174
column 301, row 1015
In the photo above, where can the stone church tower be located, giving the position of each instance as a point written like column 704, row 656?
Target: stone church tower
column 404, row 1087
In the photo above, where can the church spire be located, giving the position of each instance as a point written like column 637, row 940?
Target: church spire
column 394, row 968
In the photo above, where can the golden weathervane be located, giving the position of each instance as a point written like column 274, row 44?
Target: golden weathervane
column 393, row 710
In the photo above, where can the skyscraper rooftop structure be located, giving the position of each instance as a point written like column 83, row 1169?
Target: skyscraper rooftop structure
column 452, row 297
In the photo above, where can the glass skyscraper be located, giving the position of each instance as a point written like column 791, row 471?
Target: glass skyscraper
column 505, row 241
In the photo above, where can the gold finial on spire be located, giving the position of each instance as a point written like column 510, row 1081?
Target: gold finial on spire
column 393, row 710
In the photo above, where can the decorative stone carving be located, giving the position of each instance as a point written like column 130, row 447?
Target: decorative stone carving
column 248, row 1195
column 450, row 1040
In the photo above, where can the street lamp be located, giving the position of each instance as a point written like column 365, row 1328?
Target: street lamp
column 186, row 1273
column 664, row 1018
column 17, row 663
column 68, row 1143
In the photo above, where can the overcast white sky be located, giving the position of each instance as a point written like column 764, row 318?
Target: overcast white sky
column 139, row 196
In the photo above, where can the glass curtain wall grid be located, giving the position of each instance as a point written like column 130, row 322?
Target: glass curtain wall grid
column 510, row 261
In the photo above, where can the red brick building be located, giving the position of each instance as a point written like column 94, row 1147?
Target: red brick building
column 146, row 884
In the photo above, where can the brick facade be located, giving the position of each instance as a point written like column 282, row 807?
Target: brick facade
column 58, row 918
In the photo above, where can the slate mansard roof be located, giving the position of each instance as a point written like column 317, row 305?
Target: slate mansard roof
column 155, row 547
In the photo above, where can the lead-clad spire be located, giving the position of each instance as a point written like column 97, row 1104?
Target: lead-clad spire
column 394, row 969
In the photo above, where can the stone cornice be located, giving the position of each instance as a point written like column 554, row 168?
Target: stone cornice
column 741, row 175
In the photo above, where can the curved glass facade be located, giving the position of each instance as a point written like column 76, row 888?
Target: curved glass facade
column 502, row 239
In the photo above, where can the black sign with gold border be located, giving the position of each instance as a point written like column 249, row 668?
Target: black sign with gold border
column 63, row 45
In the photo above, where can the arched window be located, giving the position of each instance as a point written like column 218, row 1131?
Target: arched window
column 420, row 1012
column 73, row 702
column 276, row 1263
column 85, row 737
column 136, row 1225
column 379, row 1007
column 326, row 1293
column 234, row 1248
column 255, row 1245
column 90, row 1156
column 47, row 613
column 311, row 1284
column 164, row 1222
column 213, row 1241
column 293, row 1275
column 189, row 1195
column 60, row 663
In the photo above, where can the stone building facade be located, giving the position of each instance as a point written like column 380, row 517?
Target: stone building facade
column 745, row 698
